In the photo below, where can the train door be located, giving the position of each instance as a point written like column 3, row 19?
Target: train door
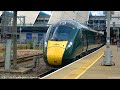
column 84, row 39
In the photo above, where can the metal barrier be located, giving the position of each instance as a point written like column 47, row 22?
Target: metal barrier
column 36, row 60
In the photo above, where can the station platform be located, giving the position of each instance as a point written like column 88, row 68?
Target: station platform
column 89, row 67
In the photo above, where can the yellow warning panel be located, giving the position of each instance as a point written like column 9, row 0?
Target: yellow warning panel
column 55, row 51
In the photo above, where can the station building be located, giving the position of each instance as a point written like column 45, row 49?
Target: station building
column 100, row 23
column 36, row 30
column 31, row 25
column 97, row 22
column 115, row 25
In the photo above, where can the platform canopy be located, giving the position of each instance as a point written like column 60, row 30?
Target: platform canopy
column 80, row 16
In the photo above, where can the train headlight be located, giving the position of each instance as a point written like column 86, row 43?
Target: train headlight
column 45, row 44
column 69, row 45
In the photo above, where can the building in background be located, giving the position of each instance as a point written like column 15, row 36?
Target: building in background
column 42, row 19
column 97, row 22
column 36, row 30
column 30, row 25
column 100, row 23
column 115, row 25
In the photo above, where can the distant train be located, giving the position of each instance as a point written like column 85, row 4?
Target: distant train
column 66, row 40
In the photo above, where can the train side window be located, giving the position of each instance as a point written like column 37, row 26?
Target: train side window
column 80, row 34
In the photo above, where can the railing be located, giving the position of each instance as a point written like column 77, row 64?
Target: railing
column 35, row 25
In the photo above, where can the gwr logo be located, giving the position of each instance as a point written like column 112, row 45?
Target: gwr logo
column 55, row 61
column 56, row 44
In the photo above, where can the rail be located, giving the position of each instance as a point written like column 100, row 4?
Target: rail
column 22, row 59
column 45, row 73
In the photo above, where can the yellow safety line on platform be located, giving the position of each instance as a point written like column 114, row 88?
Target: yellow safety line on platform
column 83, row 68
column 88, row 67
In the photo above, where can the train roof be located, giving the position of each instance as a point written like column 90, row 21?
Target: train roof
column 79, row 25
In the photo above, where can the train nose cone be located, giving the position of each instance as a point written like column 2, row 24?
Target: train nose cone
column 54, row 55
column 55, row 51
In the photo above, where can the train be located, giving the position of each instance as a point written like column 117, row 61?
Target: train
column 67, row 40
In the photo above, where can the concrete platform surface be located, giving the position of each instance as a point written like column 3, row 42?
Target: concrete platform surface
column 105, row 72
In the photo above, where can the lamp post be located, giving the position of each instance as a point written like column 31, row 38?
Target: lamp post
column 15, row 40
column 20, row 34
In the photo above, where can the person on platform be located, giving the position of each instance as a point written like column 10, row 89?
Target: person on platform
column 115, row 41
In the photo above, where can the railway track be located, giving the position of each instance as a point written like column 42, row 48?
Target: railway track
column 22, row 59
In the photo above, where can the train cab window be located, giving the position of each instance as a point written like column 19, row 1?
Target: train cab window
column 61, row 33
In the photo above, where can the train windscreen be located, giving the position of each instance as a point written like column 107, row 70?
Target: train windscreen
column 62, row 33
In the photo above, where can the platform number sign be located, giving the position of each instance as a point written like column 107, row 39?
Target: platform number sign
column 40, row 36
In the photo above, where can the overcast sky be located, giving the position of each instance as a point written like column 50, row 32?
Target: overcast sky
column 97, row 13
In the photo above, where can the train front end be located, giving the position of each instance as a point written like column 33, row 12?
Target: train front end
column 58, row 44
